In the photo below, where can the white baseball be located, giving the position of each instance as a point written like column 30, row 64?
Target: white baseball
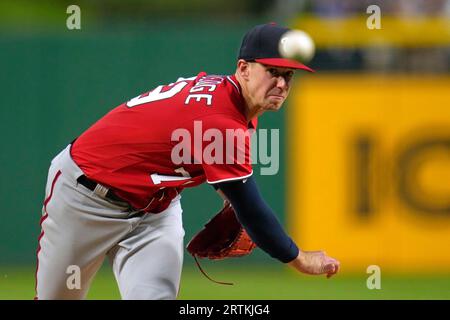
column 297, row 45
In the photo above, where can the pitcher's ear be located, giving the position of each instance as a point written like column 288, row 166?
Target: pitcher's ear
column 243, row 68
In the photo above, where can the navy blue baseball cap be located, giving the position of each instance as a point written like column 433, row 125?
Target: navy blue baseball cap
column 260, row 44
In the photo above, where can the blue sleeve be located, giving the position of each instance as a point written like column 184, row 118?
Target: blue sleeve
column 258, row 219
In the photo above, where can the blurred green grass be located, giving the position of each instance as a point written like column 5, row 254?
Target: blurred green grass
column 252, row 282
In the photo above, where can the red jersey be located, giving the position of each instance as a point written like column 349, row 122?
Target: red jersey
column 147, row 149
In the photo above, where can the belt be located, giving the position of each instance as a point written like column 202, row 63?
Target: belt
column 100, row 189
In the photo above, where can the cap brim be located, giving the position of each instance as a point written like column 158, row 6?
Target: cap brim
column 286, row 63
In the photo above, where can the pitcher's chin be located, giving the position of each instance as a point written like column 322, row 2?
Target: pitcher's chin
column 275, row 106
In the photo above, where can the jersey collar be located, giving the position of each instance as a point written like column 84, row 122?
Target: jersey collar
column 235, row 83
column 232, row 79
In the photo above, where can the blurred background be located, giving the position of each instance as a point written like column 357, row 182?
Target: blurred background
column 365, row 141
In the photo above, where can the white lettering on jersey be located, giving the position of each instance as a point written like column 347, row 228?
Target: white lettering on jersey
column 199, row 97
column 158, row 178
column 156, row 94
column 212, row 87
column 183, row 172
column 208, row 84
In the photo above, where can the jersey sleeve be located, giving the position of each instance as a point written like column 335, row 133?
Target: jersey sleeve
column 226, row 150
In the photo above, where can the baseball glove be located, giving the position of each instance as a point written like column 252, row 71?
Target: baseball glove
column 222, row 237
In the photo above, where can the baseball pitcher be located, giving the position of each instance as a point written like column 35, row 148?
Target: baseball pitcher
column 115, row 190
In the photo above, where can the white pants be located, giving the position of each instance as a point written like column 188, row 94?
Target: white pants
column 79, row 229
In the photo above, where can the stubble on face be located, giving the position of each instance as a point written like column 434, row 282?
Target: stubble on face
column 266, row 89
column 276, row 93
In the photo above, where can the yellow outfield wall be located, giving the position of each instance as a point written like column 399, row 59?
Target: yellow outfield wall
column 369, row 170
column 353, row 31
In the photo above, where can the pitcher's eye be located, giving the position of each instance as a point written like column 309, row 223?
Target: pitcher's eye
column 273, row 72
column 288, row 76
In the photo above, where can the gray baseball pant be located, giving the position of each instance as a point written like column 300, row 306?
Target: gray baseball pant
column 80, row 229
